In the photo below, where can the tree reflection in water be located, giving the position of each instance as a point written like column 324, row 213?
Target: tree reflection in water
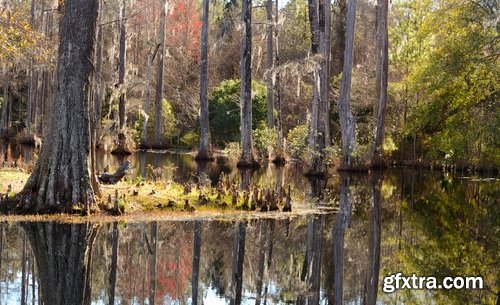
column 64, row 257
column 329, row 257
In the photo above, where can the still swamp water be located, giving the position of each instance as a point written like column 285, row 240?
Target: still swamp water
column 365, row 227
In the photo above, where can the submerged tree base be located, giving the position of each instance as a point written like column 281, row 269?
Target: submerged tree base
column 279, row 160
column 204, row 157
column 248, row 164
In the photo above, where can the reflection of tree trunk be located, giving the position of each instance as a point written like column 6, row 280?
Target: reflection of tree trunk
column 33, row 278
column 315, row 283
column 196, row 260
column 2, row 230
column 246, row 178
column 152, row 275
column 272, row 224
column 371, row 281
column 306, row 268
column 262, row 259
column 203, row 168
column 318, row 185
column 341, row 222
column 237, row 265
column 114, row 262
column 23, row 273
column 63, row 257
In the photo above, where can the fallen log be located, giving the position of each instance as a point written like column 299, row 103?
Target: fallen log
column 108, row 178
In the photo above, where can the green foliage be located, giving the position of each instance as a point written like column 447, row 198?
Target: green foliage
column 190, row 139
column 296, row 141
column 264, row 141
column 449, row 54
column 168, row 122
column 224, row 107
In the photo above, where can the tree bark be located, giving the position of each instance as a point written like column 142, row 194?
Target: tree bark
column 98, row 80
column 319, row 131
column 324, row 127
column 205, row 151
column 280, row 157
column 314, row 27
column 63, row 175
column 159, row 140
column 382, row 78
column 247, row 158
column 337, row 61
column 63, row 257
column 347, row 120
column 4, row 119
column 147, row 97
column 122, row 148
column 270, row 65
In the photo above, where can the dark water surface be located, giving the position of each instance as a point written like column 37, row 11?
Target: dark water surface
column 428, row 223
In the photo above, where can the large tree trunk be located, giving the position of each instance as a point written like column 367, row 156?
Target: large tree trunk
column 63, row 175
column 204, row 153
column 280, row 157
column 247, row 158
column 347, row 120
column 270, row 65
column 63, row 256
column 121, row 148
column 159, row 140
column 382, row 77
column 337, row 61
column 314, row 27
column 319, row 130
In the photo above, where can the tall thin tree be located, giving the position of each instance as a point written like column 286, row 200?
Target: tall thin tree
column 347, row 120
column 247, row 157
column 270, row 65
column 382, row 78
column 158, row 130
column 204, row 152
column 122, row 140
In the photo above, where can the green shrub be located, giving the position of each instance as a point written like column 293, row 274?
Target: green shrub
column 264, row 141
column 168, row 122
column 297, row 141
column 224, row 107
column 190, row 139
